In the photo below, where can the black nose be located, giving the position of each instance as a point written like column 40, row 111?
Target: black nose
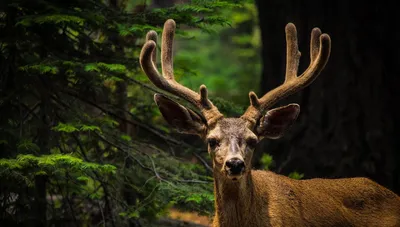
column 235, row 166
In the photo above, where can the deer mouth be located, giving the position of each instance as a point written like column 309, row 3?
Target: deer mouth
column 234, row 176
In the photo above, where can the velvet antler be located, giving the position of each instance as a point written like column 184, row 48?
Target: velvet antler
column 167, row 81
column 319, row 54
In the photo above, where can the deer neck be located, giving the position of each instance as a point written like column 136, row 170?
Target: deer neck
column 233, row 200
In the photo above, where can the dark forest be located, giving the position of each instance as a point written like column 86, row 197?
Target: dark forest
column 83, row 143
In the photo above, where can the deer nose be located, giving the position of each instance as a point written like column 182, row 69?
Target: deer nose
column 234, row 166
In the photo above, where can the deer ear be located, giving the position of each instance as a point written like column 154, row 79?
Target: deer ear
column 276, row 121
column 180, row 117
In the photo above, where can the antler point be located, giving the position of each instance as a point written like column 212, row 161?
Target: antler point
column 316, row 31
column 290, row 24
column 253, row 99
column 170, row 23
column 148, row 48
column 203, row 92
column 151, row 35
column 150, row 43
column 325, row 38
column 290, row 27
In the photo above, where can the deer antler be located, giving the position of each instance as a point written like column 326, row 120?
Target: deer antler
column 167, row 81
column 319, row 53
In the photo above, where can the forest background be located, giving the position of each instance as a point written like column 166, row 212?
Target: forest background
column 82, row 142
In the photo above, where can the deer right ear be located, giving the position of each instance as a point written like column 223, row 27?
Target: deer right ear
column 181, row 118
column 276, row 121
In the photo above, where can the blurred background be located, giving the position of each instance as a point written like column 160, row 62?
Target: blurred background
column 82, row 142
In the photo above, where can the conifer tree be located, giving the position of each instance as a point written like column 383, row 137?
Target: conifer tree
column 65, row 157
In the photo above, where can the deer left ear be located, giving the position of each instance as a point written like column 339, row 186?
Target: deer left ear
column 276, row 121
column 181, row 118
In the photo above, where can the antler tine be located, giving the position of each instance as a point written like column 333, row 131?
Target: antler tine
column 152, row 35
column 320, row 47
column 315, row 43
column 166, row 49
column 167, row 81
column 292, row 52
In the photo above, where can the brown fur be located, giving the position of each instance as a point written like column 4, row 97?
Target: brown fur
column 262, row 198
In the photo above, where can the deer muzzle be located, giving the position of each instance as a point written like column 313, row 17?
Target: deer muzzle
column 234, row 167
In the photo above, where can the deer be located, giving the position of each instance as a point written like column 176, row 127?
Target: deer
column 245, row 197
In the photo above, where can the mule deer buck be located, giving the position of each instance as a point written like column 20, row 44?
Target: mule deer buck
column 245, row 197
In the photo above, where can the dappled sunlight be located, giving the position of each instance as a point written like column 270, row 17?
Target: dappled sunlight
column 192, row 217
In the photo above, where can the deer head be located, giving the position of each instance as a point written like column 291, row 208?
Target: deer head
column 231, row 141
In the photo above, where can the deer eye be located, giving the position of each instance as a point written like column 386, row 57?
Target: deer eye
column 213, row 142
column 251, row 142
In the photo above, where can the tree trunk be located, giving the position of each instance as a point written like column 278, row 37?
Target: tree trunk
column 347, row 123
column 39, row 209
column 121, row 101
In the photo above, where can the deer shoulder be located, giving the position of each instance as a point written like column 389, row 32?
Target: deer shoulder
column 329, row 202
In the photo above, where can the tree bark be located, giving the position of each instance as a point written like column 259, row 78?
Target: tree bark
column 121, row 100
column 348, row 118
column 39, row 209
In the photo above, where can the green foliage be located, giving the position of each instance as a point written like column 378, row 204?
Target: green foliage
column 79, row 128
column 51, row 164
column 228, row 64
column 41, row 69
column 27, row 145
column 266, row 161
column 296, row 175
column 50, row 19
column 102, row 67
column 69, row 128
